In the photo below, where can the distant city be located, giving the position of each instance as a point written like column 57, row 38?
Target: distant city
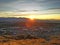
column 24, row 28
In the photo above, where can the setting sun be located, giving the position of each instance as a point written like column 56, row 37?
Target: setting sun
column 32, row 17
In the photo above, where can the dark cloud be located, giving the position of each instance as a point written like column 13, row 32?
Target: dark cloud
column 6, row 1
column 30, row 5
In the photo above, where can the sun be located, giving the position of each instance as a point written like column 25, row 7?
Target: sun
column 32, row 17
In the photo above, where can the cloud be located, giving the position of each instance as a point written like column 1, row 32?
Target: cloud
column 33, row 4
column 29, row 7
column 7, row 1
column 43, row 12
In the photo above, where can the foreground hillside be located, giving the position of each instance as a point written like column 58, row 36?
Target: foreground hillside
column 54, row 40
column 40, row 41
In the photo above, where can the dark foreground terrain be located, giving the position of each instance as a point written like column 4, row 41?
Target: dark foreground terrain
column 21, row 31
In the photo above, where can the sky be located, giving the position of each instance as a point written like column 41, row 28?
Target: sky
column 40, row 9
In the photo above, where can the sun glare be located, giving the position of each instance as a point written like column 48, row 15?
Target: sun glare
column 32, row 17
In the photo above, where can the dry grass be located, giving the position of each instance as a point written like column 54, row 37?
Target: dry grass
column 39, row 41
